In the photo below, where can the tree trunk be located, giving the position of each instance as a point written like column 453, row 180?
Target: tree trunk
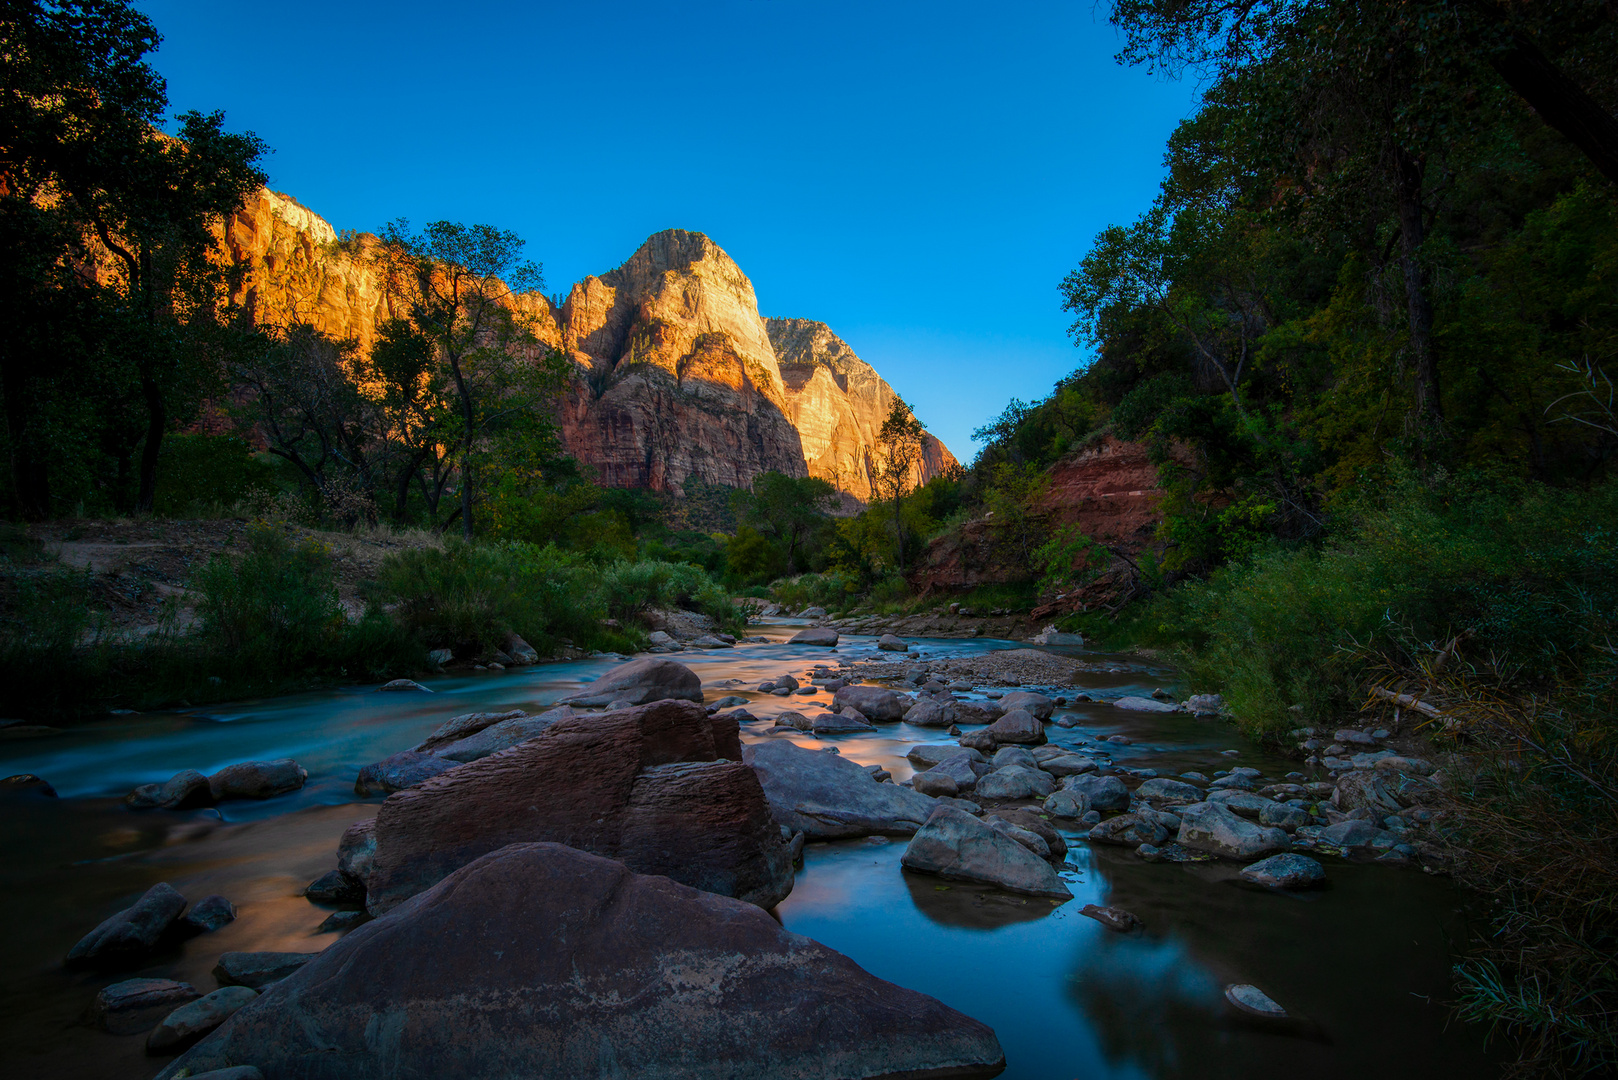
column 1560, row 102
column 899, row 524
column 1418, row 306
column 30, row 475
column 156, row 423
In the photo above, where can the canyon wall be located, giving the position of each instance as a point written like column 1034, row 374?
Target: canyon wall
column 676, row 373
column 1110, row 491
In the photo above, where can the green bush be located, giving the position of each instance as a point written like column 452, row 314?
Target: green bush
column 832, row 591
column 1530, row 571
column 468, row 597
column 629, row 588
column 206, row 471
column 278, row 599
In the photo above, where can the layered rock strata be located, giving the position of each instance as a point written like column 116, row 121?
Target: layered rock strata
column 677, row 375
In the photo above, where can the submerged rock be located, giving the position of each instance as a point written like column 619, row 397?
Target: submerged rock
column 1253, row 1001
column 1144, row 704
column 1287, row 871
column 957, row 846
column 595, row 971
column 1113, row 918
column 134, row 1005
column 827, row 797
column 131, row 935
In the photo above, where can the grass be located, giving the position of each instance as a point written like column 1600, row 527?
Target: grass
column 268, row 620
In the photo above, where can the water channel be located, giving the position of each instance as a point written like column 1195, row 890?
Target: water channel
column 1364, row 962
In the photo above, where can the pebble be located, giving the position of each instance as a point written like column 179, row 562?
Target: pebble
column 1253, row 1001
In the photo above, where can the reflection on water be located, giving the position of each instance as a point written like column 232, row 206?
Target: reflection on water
column 1364, row 962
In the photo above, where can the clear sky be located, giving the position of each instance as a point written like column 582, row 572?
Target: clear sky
column 919, row 176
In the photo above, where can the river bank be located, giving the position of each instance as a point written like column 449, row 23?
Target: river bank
column 1065, row 995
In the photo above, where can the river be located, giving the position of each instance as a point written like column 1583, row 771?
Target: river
column 1364, row 962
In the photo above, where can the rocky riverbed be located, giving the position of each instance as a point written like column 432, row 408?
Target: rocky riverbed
column 1084, row 868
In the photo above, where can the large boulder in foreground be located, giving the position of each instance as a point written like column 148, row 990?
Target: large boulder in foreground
column 649, row 785
column 639, row 682
column 826, row 796
column 539, row 960
column 955, row 845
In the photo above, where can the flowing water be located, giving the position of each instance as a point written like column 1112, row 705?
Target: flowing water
column 1364, row 963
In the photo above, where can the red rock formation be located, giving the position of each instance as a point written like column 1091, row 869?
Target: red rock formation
column 644, row 785
column 678, row 375
column 1109, row 491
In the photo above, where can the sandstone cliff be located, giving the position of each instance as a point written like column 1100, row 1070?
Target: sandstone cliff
column 677, row 374
column 838, row 402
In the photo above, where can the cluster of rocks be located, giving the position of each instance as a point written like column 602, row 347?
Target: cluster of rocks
column 175, row 1013
column 190, row 789
column 152, row 924
column 515, row 653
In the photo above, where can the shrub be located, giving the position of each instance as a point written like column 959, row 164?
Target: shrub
column 277, row 600
column 1530, row 571
column 831, row 591
column 629, row 588
column 469, row 597
column 209, row 470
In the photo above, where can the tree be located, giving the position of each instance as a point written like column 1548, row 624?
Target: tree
column 788, row 509
column 106, row 221
column 1368, row 98
column 1219, row 37
column 901, row 440
column 456, row 284
column 303, row 399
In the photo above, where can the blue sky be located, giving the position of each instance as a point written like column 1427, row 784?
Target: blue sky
column 917, row 175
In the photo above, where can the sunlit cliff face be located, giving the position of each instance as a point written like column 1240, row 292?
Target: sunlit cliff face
column 677, row 375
